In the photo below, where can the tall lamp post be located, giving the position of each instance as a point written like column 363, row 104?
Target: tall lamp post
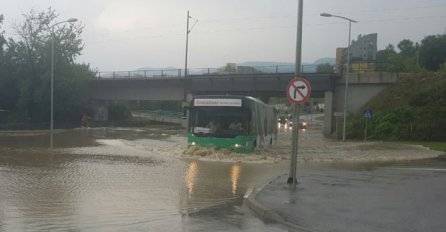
column 71, row 20
column 350, row 21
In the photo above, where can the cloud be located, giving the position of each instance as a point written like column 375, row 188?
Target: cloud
column 120, row 16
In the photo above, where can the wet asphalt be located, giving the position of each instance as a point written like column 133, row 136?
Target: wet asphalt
column 96, row 180
column 393, row 196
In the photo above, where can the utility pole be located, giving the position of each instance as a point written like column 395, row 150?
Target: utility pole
column 292, row 179
column 188, row 30
column 187, row 45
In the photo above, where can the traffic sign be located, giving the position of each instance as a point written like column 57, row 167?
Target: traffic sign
column 367, row 113
column 298, row 90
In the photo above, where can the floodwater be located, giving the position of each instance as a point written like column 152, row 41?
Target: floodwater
column 121, row 180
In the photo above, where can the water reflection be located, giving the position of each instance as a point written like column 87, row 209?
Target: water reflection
column 117, row 185
column 235, row 175
column 191, row 177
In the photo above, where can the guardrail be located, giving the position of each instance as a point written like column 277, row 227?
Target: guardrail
column 227, row 70
column 355, row 66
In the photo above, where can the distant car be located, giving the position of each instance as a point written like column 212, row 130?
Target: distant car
column 283, row 120
column 302, row 124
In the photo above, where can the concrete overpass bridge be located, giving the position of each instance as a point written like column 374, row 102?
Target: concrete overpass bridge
column 331, row 87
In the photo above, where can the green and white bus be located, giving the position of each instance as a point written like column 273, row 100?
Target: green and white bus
column 237, row 123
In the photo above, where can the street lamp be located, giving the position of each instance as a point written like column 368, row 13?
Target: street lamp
column 348, row 67
column 71, row 20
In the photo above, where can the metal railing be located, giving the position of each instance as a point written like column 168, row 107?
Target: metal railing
column 160, row 73
column 355, row 66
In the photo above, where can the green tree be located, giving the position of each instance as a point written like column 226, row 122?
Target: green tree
column 32, row 59
column 403, row 61
column 8, row 85
column 408, row 56
column 325, row 68
column 407, row 48
column 433, row 52
column 385, row 59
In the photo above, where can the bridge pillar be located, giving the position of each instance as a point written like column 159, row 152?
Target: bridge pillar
column 328, row 121
column 100, row 111
column 185, row 106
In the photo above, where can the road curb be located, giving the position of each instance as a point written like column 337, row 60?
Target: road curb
column 266, row 214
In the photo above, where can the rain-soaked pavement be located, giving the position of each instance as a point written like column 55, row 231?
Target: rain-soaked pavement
column 377, row 196
column 120, row 179
column 96, row 181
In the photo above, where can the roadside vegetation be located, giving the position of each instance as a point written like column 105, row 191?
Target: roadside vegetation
column 412, row 109
column 25, row 71
column 410, row 57
column 437, row 146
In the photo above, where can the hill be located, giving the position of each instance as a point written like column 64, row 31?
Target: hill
column 411, row 109
column 267, row 66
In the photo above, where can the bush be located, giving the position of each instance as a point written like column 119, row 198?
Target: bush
column 119, row 112
column 411, row 109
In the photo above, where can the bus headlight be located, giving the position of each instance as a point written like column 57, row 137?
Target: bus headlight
column 237, row 145
column 192, row 144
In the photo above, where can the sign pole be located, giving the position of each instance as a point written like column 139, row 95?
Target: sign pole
column 293, row 159
column 367, row 114
column 365, row 131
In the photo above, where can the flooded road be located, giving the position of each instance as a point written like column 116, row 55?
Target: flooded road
column 121, row 180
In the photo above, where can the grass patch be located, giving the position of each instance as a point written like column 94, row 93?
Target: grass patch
column 437, row 146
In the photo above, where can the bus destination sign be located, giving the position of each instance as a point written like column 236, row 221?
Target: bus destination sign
column 218, row 102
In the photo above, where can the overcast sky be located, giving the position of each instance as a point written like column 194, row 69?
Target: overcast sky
column 129, row 34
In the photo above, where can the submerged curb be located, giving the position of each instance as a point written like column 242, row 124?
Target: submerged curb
column 266, row 214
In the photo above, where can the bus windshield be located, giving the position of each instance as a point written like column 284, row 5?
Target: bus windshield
column 221, row 122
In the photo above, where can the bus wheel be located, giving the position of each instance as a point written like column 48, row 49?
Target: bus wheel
column 271, row 141
column 254, row 145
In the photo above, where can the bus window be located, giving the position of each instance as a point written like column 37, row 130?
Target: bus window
column 223, row 122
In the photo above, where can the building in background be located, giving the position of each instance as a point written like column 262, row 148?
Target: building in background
column 362, row 54
column 365, row 48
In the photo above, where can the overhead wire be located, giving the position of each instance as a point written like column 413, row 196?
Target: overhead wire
column 260, row 28
column 257, row 28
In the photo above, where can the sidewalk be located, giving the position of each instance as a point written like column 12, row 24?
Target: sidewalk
column 356, row 198
column 342, row 187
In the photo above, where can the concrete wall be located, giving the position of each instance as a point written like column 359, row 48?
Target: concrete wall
column 361, row 88
column 256, row 85
column 328, row 120
column 135, row 89
column 358, row 95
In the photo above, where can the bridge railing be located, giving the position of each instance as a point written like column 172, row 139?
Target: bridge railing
column 355, row 66
column 226, row 70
